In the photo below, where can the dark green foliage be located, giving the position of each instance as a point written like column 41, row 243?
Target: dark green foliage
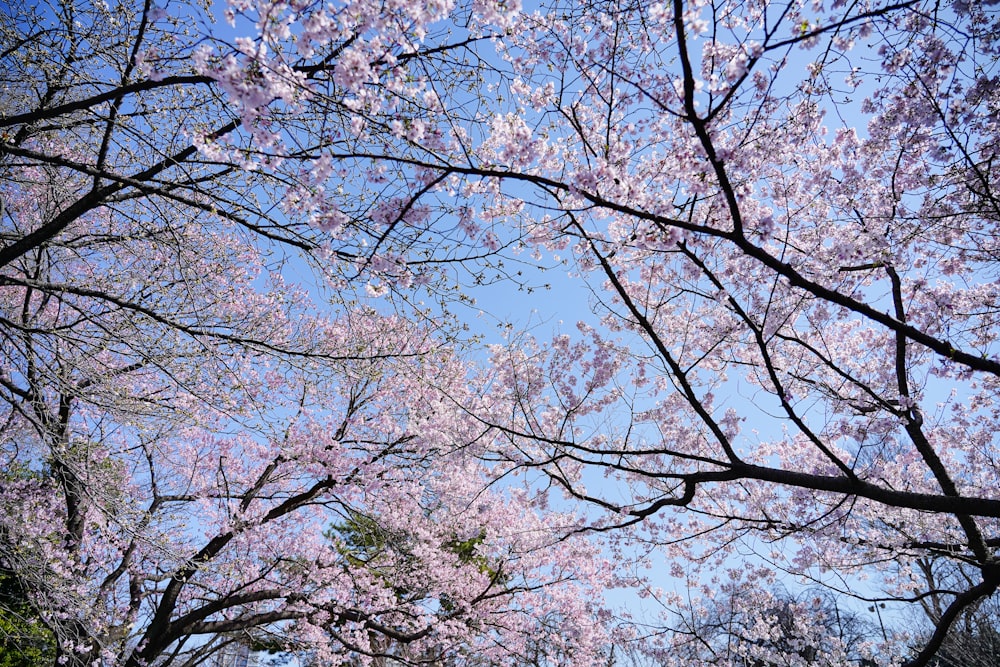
column 362, row 541
column 25, row 641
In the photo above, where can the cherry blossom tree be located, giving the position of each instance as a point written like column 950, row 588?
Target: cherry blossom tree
column 185, row 426
column 179, row 440
column 786, row 214
column 776, row 628
column 181, row 433
column 974, row 640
